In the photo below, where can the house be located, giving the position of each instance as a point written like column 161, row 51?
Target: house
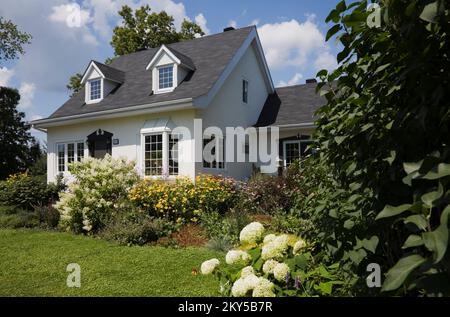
column 133, row 107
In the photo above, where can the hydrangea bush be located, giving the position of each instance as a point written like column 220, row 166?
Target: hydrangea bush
column 271, row 265
column 99, row 190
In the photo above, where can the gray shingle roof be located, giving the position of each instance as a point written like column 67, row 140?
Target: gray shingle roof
column 291, row 105
column 110, row 72
column 210, row 55
column 185, row 60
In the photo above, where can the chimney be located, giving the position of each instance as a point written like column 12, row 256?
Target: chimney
column 229, row 28
column 311, row 81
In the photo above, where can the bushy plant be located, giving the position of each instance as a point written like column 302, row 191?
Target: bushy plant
column 269, row 265
column 135, row 228
column 18, row 218
column 100, row 189
column 26, row 191
column 184, row 200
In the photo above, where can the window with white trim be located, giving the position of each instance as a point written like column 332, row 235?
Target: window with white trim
column 217, row 151
column 161, row 154
column 67, row 153
column 165, row 77
column 95, row 89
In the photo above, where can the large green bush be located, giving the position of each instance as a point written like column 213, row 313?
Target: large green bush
column 384, row 146
column 99, row 191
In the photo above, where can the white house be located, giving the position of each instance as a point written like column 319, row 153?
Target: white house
column 131, row 108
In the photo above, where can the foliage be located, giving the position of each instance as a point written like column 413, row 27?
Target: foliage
column 145, row 29
column 107, row 269
column 134, row 228
column 74, row 84
column 15, row 154
column 183, row 200
column 389, row 107
column 272, row 265
column 26, row 191
column 99, row 191
column 48, row 216
column 18, row 218
column 12, row 40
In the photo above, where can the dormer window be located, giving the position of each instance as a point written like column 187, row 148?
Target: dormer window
column 95, row 89
column 165, row 77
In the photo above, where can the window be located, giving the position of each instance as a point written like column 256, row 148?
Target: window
column 68, row 153
column 215, row 163
column 291, row 151
column 244, row 91
column 95, row 89
column 153, row 154
column 173, row 154
column 165, row 77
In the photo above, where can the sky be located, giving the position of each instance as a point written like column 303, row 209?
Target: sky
column 68, row 34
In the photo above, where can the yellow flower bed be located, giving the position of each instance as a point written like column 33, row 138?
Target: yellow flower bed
column 184, row 200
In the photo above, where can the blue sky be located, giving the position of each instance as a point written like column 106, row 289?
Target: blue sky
column 292, row 34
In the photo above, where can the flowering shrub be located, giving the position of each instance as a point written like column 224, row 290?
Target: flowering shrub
column 183, row 200
column 271, row 265
column 100, row 188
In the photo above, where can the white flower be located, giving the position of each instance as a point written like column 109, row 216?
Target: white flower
column 246, row 271
column 280, row 271
column 275, row 248
column 237, row 256
column 300, row 244
column 209, row 266
column 269, row 265
column 243, row 285
column 264, row 288
column 269, row 238
column 251, row 233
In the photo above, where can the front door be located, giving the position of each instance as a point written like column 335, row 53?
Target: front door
column 100, row 143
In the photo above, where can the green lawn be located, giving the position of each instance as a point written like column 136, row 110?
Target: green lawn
column 33, row 263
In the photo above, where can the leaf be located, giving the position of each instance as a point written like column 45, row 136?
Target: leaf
column 437, row 240
column 413, row 241
column 430, row 12
column 348, row 224
column 370, row 244
column 325, row 288
column 340, row 139
column 301, row 262
column 400, row 271
column 336, row 28
column 412, row 166
column 431, row 197
column 357, row 256
column 390, row 211
column 418, row 220
column 441, row 171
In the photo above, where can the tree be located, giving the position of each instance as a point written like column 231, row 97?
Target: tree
column 146, row 29
column 11, row 40
column 15, row 153
column 74, row 84
column 384, row 139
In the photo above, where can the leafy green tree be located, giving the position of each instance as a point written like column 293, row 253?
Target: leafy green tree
column 146, row 29
column 11, row 40
column 15, row 154
column 384, row 142
column 141, row 30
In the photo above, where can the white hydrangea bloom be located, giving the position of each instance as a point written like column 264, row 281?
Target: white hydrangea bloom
column 251, row 233
column 300, row 244
column 237, row 256
column 264, row 288
column 246, row 271
column 269, row 265
column 275, row 248
column 280, row 271
column 269, row 238
column 209, row 266
column 243, row 285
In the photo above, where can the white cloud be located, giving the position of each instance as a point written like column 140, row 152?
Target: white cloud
column 102, row 13
column 233, row 24
column 5, row 76
column 26, row 91
column 254, row 22
column 325, row 60
column 71, row 14
column 295, row 80
column 201, row 21
column 291, row 43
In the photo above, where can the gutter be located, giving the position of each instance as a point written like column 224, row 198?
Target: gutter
column 172, row 105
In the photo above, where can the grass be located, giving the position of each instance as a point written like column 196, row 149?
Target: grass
column 33, row 263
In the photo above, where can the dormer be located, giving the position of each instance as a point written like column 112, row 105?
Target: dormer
column 99, row 80
column 169, row 68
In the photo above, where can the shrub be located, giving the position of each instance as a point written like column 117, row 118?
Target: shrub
column 134, row 228
column 26, row 191
column 18, row 219
column 271, row 265
column 183, row 200
column 99, row 190
column 48, row 216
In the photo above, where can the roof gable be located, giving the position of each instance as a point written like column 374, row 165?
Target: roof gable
column 174, row 55
column 105, row 71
